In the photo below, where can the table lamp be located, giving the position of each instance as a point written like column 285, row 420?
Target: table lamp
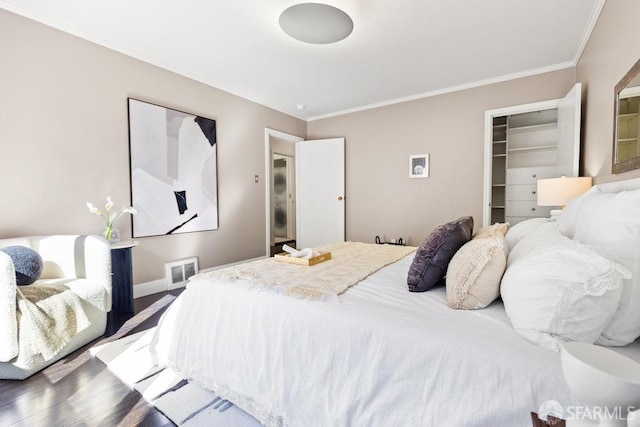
column 558, row 191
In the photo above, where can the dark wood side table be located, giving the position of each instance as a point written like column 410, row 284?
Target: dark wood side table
column 537, row 422
column 121, row 285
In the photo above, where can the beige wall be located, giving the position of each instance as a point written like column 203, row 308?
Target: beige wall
column 64, row 140
column 380, row 197
column 612, row 50
column 63, row 135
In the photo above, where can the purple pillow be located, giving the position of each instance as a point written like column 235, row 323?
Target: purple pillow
column 434, row 254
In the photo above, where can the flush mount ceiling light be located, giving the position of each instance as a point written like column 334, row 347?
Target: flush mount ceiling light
column 316, row 23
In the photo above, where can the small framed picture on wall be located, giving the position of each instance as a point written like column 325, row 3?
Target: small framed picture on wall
column 418, row 166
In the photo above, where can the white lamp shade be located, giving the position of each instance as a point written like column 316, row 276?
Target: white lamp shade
column 558, row 191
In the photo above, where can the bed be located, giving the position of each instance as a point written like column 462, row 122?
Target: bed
column 374, row 355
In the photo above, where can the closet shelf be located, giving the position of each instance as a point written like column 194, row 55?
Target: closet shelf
column 540, row 126
column 537, row 147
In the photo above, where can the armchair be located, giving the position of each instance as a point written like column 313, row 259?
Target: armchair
column 81, row 264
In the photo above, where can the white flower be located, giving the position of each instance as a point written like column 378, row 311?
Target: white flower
column 131, row 211
column 93, row 209
column 108, row 218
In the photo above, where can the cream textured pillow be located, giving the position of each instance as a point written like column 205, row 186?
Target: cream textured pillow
column 498, row 227
column 473, row 277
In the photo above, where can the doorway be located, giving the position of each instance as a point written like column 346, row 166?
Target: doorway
column 283, row 216
column 309, row 201
column 525, row 143
column 280, row 182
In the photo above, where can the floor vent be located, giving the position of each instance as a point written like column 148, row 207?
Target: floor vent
column 178, row 272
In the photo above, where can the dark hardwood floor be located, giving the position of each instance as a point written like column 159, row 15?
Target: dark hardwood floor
column 79, row 390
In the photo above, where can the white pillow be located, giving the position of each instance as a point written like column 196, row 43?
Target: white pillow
column 557, row 290
column 567, row 219
column 618, row 186
column 474, row 273
column 611, row 222
column 522, row 230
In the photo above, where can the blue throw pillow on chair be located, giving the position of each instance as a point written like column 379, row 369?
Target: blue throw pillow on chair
column 27, row 263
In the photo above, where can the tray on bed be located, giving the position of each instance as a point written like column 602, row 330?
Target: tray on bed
column 316, row 259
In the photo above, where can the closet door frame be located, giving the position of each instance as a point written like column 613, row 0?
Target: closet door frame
column 488, row 144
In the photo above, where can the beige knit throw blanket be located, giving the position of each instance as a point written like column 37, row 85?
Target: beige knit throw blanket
column 48, row 317
column 350, row 263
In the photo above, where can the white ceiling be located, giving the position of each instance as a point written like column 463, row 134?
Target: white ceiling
column 399, row 49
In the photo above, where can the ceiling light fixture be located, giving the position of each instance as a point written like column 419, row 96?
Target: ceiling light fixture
column 316, row 23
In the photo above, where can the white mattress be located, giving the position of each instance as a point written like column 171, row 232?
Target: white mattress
column 377, row 355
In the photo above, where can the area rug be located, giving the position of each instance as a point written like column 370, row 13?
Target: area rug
column 183, row 402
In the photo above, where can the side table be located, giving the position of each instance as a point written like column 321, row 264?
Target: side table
column 122, row 285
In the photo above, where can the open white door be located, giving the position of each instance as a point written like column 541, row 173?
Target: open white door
column 568, row 150
column 319, row 192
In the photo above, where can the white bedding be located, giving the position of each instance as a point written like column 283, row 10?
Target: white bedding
column 377, row 355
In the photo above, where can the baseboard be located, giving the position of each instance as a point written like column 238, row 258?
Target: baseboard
column 161, row 285
column 148, row 288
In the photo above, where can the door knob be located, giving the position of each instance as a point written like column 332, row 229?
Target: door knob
column 339, row 198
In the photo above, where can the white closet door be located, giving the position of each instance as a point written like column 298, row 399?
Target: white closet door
column 320, row 192
column 568, row 151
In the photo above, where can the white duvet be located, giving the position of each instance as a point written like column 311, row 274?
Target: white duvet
column 377, row 355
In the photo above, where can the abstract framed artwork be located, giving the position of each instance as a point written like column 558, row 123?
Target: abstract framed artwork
column 173, row 165
column 418, row 166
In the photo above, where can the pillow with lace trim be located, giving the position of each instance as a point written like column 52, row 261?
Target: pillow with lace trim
column 473, row 277
column 557, row 290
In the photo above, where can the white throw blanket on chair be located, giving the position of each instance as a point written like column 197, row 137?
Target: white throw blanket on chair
column 48, row 317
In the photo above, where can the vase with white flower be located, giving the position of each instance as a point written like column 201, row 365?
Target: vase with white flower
column 110, row 233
